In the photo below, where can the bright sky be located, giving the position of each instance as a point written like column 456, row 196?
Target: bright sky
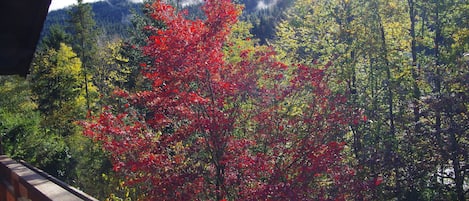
column 58, row 4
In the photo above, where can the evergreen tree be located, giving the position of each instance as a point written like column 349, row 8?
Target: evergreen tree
column 55, row 37
column 85, row 42
column 58, row 92
column 58, row 89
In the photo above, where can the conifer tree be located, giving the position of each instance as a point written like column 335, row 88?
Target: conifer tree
column 85, row 41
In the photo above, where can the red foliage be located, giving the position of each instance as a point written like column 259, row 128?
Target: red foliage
column 212, row 131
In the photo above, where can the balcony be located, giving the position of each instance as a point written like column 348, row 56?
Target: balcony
column 20, row 181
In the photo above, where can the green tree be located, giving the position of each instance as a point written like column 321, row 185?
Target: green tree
column 396, row 60
column 58, row 89
column 21, row 134
column 111, row 71
column 18, row 115
column 444, row 41
column 56, row 36
column 59, row 95
column 85, row 42
column 132, row 47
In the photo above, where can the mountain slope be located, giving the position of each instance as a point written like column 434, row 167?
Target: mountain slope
column 113, row 17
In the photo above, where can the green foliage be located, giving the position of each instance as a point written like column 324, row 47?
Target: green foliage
column 401, row 65
column 49, row 152
column 57, row 146
column 396, row 60
column 58, row 89
column 84, row 44
column 112, row 17
column 18, row 117
column 132, row 48
column 56, row 36
column 22, row 136
column 85, row 31
column 239, row 40
column 112, row 71
column 90, row 164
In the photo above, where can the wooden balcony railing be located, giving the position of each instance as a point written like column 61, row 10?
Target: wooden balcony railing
column 21, row 182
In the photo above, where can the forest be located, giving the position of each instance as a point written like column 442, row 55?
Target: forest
column 221, row 100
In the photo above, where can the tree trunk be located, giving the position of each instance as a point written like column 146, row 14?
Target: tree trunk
column 390, row 152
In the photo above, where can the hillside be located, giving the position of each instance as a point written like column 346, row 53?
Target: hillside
column 113, row 17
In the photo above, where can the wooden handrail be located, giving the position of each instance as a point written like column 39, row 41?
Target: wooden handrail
column 21, row 181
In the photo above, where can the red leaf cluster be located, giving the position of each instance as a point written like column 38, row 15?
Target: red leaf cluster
column 212, row 131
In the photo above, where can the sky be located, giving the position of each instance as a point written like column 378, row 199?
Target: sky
column 58, row 4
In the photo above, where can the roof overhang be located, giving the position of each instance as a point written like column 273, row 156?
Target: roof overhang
column 21, row 24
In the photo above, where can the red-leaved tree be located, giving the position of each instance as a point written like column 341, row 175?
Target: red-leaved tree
column 207, row 130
